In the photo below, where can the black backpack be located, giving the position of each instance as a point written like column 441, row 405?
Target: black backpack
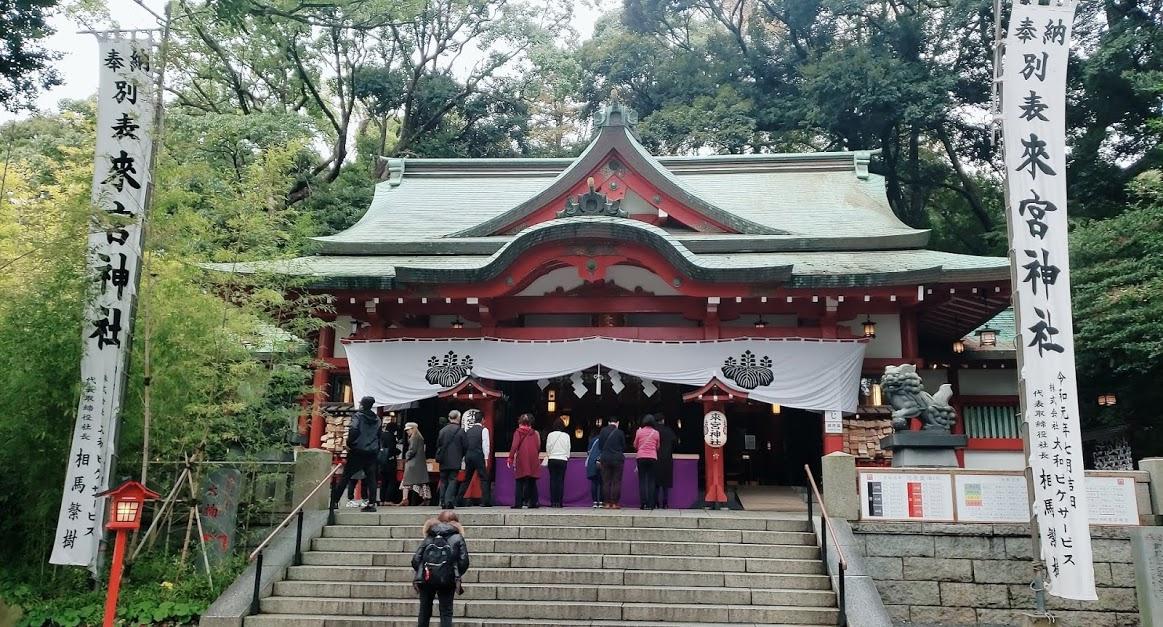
column 438, row 564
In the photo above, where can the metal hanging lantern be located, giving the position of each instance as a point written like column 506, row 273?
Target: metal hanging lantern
column 987, row 337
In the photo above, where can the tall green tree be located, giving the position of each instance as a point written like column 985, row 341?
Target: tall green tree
column 1117, row 268
column 409, row 78
column 25, row 63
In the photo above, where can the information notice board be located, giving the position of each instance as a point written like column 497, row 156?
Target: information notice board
column 996, row 497
column 906, row 496
column 992, row 498
column 1112, row 501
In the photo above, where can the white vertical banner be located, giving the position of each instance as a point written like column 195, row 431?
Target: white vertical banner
column 1034, row 128
column 120, row 181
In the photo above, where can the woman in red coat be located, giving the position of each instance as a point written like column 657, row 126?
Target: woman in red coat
column 525, row 460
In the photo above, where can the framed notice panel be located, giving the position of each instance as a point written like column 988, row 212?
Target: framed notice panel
column 906, row 496
column 992, row 498
column 1112, row 500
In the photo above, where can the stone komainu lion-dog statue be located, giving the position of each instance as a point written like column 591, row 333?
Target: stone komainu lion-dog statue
column 905, row 392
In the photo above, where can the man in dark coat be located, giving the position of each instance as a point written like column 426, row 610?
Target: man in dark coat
column 450, row 456
column 612, row 444
column 389, row 453
column 363, row 447
column 664, row 471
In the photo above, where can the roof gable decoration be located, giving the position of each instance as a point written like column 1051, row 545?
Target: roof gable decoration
column 593, row 203
column 616, row 163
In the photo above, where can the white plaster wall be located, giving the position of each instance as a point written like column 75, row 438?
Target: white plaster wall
column 887, row 342
column 634, row 204
column 982, row 382
column 342, row 330
column 995, row 460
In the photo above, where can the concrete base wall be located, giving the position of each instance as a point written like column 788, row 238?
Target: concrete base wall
column 979, row 574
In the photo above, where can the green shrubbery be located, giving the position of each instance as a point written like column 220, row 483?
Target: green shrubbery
column 156, row 590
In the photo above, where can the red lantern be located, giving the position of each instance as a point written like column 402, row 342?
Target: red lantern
column 127, row 502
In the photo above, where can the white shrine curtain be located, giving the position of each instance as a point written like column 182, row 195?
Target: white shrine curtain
column 804, row 373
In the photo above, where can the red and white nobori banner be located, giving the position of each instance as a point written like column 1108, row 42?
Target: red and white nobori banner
column 803, row 373
column 120, row 179
column 1034, row 127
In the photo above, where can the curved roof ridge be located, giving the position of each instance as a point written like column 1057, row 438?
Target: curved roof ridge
column 620, row 139
column 597, row 227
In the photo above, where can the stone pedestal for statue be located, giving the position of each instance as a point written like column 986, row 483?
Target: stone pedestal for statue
column 924, row 449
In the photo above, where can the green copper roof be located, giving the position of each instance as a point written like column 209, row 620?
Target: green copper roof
column 437, row 205
column 801, row 220
column 808, row 269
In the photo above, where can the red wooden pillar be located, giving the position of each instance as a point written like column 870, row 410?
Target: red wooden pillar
column 910, row 340
column 953, row 376
column 833, row 442
column 324, row 351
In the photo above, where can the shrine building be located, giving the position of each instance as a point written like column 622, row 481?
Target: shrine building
column 775, row 288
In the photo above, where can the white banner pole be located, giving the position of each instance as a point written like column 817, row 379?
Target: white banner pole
column 1033, row 108
column 121, row 178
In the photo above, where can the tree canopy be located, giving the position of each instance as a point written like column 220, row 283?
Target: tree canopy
column 280, row 117
column 25, row 63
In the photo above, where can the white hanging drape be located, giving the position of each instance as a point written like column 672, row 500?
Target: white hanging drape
column 805, row 373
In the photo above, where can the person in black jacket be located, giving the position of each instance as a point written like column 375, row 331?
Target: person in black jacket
column 363, row 447
column 389, row 453
column 450, row 456
column 664, row 470
column 612, row 460
column 446, row 526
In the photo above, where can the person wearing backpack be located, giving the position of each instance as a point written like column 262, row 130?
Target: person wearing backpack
column 440, row 562
column 593, row 472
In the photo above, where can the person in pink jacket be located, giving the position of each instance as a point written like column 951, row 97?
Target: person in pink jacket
column 646, row 441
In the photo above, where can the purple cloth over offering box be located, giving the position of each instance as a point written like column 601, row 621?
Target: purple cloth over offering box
column 683, row 495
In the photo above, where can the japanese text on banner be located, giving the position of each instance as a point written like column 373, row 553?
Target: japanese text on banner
column 1033, row 109
column 120, row 180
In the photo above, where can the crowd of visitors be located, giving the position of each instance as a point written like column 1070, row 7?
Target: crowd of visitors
column 375, row 446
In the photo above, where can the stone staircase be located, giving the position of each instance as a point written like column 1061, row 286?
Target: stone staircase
column 567, row 567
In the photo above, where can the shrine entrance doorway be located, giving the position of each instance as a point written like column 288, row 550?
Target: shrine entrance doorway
column 768, row 448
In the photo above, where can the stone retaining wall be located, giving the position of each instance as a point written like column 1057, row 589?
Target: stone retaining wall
column 979, row 574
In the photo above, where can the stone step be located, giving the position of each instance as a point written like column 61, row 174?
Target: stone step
column 605, row 547
column 508, row 591
column 561, row 610
column 572, row 576
column 574, row 518
column 306, row 620
column 619, row 562
column 619, row 534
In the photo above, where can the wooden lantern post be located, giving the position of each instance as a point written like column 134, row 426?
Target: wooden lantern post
column 124, row 516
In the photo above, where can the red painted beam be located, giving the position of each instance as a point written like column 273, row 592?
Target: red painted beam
column 995, row 444
column 642, row 333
